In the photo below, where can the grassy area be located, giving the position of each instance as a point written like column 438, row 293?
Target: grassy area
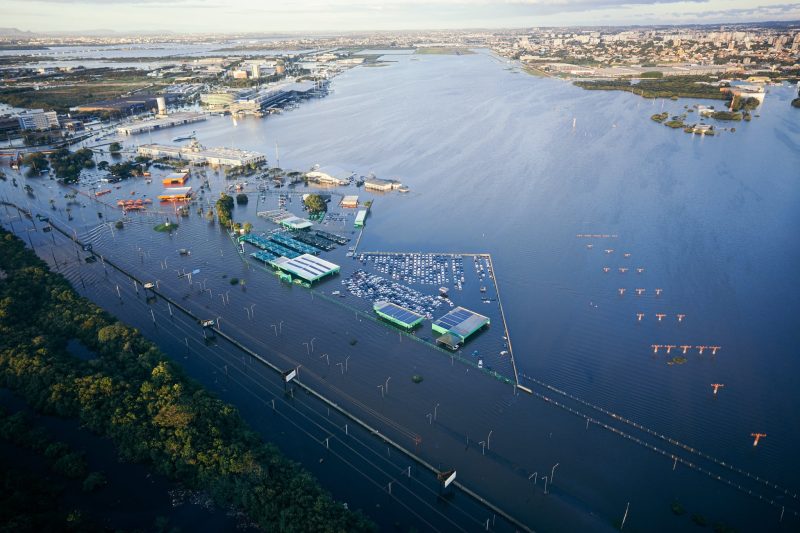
column 666, row 87
column 81, row 88
column 444, row 51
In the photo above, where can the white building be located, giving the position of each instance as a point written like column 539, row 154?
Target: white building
column 38, row 119
column 377, row 184
column 197, row 153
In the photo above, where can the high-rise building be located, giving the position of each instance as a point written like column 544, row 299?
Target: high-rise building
column 38, row 119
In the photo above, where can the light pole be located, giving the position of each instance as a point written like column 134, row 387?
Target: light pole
column 381, row 387
column 325, row 355
column 308, row 352
column 247, row 310
column 489, row 439
column 387, row 384
column 435, row 409
column 312, row 343
column 345, row 362
column 218, row 326
column 252, row 311
column 553, row 472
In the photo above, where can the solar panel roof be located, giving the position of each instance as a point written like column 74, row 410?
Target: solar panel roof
column 461, row 321
column 397, row 312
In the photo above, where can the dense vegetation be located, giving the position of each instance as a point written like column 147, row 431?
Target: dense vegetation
column 81, row 87
column 666, row 87
column 132, row 394
column 241, row 199
column 224, row 207
column 796, row 102
column 36, row 163
column 68, row 165
column 660, row 117
column 315, row 204
column 747, row 103
column 726, row 115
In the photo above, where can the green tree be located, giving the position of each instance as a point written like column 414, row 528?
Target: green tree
column 224, row 207
column 315, row 203
column 115, row 147
column 241, row 199
column 36, row 163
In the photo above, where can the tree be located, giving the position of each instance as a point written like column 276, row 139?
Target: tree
column 94, row 481
column 36, row 163
column 315, row 203
column 224, row 206
column 115, row 147
column 241, row 199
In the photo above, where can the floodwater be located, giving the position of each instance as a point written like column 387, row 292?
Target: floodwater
column 495, row 165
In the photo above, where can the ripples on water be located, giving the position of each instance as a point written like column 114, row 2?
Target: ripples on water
column 495, row 166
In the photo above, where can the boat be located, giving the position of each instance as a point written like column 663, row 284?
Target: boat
column 184, row 251
column 184, row 137
column 101, row 193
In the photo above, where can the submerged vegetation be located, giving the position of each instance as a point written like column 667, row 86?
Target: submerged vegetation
column 131, row 393
column 166, row 227
column 224, row 208
column 665, row 87
column 660, row 117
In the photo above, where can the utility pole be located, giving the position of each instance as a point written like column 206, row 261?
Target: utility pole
column 625, row 516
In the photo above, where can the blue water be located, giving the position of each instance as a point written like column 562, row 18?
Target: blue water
column 495, row 166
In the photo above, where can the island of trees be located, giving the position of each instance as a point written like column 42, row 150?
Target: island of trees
column 131, row 393
column 663, row 87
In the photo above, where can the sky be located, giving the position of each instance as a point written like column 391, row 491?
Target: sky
column 271, row 16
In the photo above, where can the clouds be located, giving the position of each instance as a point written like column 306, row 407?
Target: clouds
column 223, row 16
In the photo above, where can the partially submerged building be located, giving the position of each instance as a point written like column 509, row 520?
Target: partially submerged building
column 197, row 153
column 176, row 194
column 457, row 326
column 397, row 315
column 306, row 267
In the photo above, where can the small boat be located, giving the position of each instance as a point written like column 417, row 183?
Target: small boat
column 101, row 193
column 184, row 251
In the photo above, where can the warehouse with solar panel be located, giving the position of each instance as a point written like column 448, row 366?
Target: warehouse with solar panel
column 397, row 315
column 457, row 326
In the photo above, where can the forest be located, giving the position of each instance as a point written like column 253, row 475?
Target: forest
column 134, row 395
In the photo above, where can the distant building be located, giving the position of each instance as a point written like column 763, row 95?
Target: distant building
column 9, row 124
column 197, row 153
column 361, row 218
column 169, row 121
column 176, row 178
column 124, row 105
column 72, row 124
column 377, row 184
column 325, row 178
column 350, row 202
column 176, row 194
column 38, row 119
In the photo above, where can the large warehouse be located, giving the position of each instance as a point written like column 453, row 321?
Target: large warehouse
column 457, row 326
column 197, row 153
column 306, row 267
column 397, row 315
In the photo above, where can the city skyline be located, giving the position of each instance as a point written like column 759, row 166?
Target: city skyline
column 212, row 16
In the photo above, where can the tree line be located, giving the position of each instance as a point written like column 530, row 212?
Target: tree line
column 131, row 393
